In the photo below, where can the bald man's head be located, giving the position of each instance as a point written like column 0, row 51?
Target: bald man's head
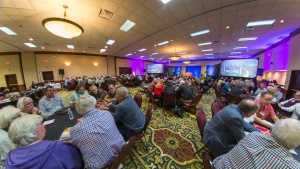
column 121, row 93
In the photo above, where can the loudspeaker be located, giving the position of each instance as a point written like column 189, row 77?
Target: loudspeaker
column 260, row 72
column 61, row 71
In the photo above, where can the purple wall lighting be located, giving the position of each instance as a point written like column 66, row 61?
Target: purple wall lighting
column 137, row 66
column 277, row 58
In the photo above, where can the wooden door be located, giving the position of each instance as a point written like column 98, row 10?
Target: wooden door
column 48, row 76
column 294, row 84
column 125, row 70
column 12, row 82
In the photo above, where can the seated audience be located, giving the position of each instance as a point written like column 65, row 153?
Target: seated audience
column 226, row 128
column 50, row 103
column 227, row 88
column 278, row 95
column 184, row 92
column 193, row 87
column 110, row 97
column 66, row 82
column 296, row 113
column 98, row 94
column 34, row 85
column 270, row 89
column 158, row 91
column 151, row 86
column 26, row 106
column 290, row 105
column 174, row 81
column 27, row 133
column 220, row 81
column 96, row 135
column 7, row 115
column 259, row 150
column 169, row 88
column 261, row 89
column 128, row 116
column 265, row 113
column 236, row 89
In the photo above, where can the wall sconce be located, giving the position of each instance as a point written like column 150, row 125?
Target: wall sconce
column 95, row 64
column 68, row 64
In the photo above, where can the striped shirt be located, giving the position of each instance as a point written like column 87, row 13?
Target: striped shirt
column 257, row 150
column 97, row 137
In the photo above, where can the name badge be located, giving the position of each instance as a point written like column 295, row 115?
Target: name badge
column 262, row 113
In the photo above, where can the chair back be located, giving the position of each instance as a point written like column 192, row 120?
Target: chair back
column 250, row 89
column 123, row 153
column 150, row 95
column 207, row 161
column 131, row 81
column 230, row 98
column 219, row 88
column 148, row 117
column 169, row 99
column 103, row 86
column 218, row 94
column 216, row 106
column 275, row 107
column 201, row 120
column 138, row 99
column 195, row 100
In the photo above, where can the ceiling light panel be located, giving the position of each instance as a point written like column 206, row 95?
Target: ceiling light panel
column 127, row 26
column 200, row 32
column 141, row 50
column 165, row 1
column 7, row 31
column 30, row 45
column 202, row 44
column 260, row 23
column 110, row 42
column 208, row 54
column 240, row 47
column 206, row 50
column 235, row 52
column 70, row 46
column 102, row 50
column 163, row 43
column 182, row 53
column 247, row 39
column 154, row 53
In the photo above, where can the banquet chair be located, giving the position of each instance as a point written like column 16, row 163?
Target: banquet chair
column 70, row 86
column 201, row 121
column 138, row 99
column 216, row 106
column 220, row 97
column 169, row 100
column 207, row 161
column 103, row 86
column 146, row 92
column 131, row 83
column 123, row 153
column 140, row 135
column 152, row 99
column 230, row 98
column 191, row 107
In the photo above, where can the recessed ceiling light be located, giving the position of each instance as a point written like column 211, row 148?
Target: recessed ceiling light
column 227, row 27
column 30, row 45
column 30, row 39
column 246, row 39
column 163, row 43
column 127, row 26
column 240, row 47
column 43, row 47
column 165, row 1
column 200, row 32
column 235, row 52
column 208, row 54
column 206, row 50
column 141, row 50
column 260, row 23
column 84, row 51
column 223, row 43
column 171, row 40
column 70, row 46
column 202, row 44
column 110, row 42
column 281, row 21
column 155, row 45
column 102, row 50
column 7, row 31
column 154, row 53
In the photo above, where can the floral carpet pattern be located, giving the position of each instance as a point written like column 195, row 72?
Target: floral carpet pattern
column 171, row 141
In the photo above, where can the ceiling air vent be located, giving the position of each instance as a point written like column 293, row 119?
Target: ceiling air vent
column 215, row 41
column 106, row 14
column 249, row 29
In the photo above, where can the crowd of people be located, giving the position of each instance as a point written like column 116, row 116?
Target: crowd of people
column 110, row 118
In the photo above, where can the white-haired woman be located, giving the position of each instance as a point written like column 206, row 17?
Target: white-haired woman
column 27, row 133
column 96, row 135
column 26, row 106
column 7, row 116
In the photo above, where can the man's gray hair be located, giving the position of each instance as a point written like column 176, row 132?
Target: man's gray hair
column 20, row 103
column 24, row 130
column 248, row 106
column 287, row 132
column 85, row 104
column 7, row 114
column 123, row 91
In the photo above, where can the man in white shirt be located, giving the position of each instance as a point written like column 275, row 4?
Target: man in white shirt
column 291, row 104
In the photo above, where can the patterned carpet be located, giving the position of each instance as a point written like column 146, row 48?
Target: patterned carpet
column 171, row 141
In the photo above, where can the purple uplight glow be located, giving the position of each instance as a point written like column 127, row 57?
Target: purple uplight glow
column 137, row 66
column 279, row 57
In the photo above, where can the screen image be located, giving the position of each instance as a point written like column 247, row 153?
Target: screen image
column 239, row 68
column 155, row 68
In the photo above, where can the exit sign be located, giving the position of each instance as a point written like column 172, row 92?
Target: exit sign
column 46, row 61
